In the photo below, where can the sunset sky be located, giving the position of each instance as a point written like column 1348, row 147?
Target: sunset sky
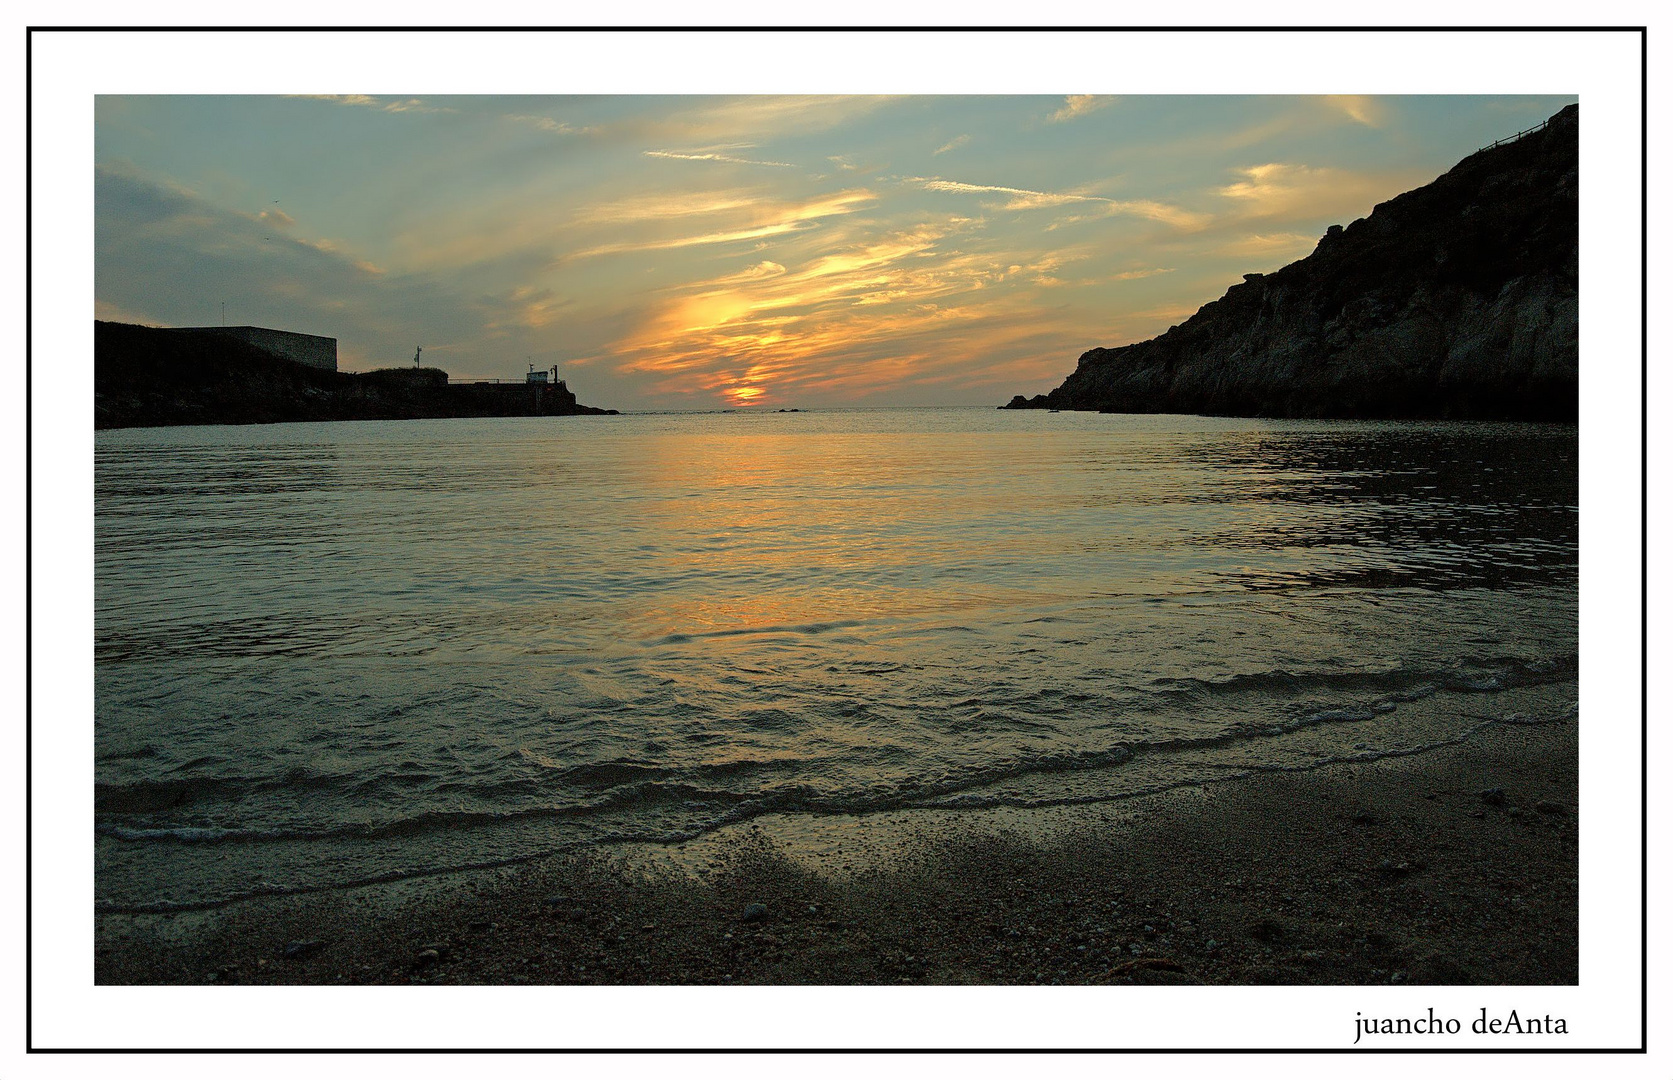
column 707, row 252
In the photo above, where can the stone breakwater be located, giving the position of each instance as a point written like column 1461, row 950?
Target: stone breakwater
column 1456, row 300
column 147, row 377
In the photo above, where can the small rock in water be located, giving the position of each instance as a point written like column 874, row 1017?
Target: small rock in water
column 754, row 913
column 426, row 957
column 297, row 950
column 1493, row 796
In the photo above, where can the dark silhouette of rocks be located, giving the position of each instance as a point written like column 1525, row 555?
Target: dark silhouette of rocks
column 1458, row 299
column 146, row 377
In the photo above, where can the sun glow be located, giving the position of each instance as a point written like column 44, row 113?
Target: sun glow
column 703, row 252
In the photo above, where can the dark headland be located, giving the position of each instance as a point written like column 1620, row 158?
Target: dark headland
column 149, row 377
column 1456, row 300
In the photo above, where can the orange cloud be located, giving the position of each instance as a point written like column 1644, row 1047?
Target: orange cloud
column 840, row 320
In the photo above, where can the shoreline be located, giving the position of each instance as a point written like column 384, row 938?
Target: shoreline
column 1397, row 870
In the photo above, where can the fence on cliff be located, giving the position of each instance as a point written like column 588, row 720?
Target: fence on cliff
column 1541, row 126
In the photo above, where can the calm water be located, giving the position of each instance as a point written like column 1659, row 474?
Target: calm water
column 335, row 653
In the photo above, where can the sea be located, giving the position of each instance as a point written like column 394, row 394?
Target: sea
column 330, row 655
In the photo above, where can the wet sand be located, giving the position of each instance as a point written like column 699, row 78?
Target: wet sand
column 1399, row 870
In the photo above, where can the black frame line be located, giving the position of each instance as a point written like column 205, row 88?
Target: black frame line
column 1644, row 557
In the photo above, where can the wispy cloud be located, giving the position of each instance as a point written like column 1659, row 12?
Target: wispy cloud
column 1078, row 105
column 548, row 124
column 759, row 117
column 716, row 155
column 389, row 105
column 724, row 236
column 666, row 204
column 952, row 144
column 1025, row 199
column 1166, row 213
column 1021, row 198
column 771, row 219
column 766, row 268
column 1286, row 190
column 1360, row 108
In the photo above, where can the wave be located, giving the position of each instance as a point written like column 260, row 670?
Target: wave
column 172, row 793
column 703, row 791
column 1500, row 673
column 748, row 809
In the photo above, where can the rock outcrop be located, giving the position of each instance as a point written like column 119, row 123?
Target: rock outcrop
column 1458, row 299
column 147, row 377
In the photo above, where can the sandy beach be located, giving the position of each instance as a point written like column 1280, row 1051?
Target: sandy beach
column 1455, row 866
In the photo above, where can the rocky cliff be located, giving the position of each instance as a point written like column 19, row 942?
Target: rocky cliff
column 1458, row 299
column 146, row 377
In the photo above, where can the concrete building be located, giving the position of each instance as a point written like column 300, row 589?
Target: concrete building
column 319, row 352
